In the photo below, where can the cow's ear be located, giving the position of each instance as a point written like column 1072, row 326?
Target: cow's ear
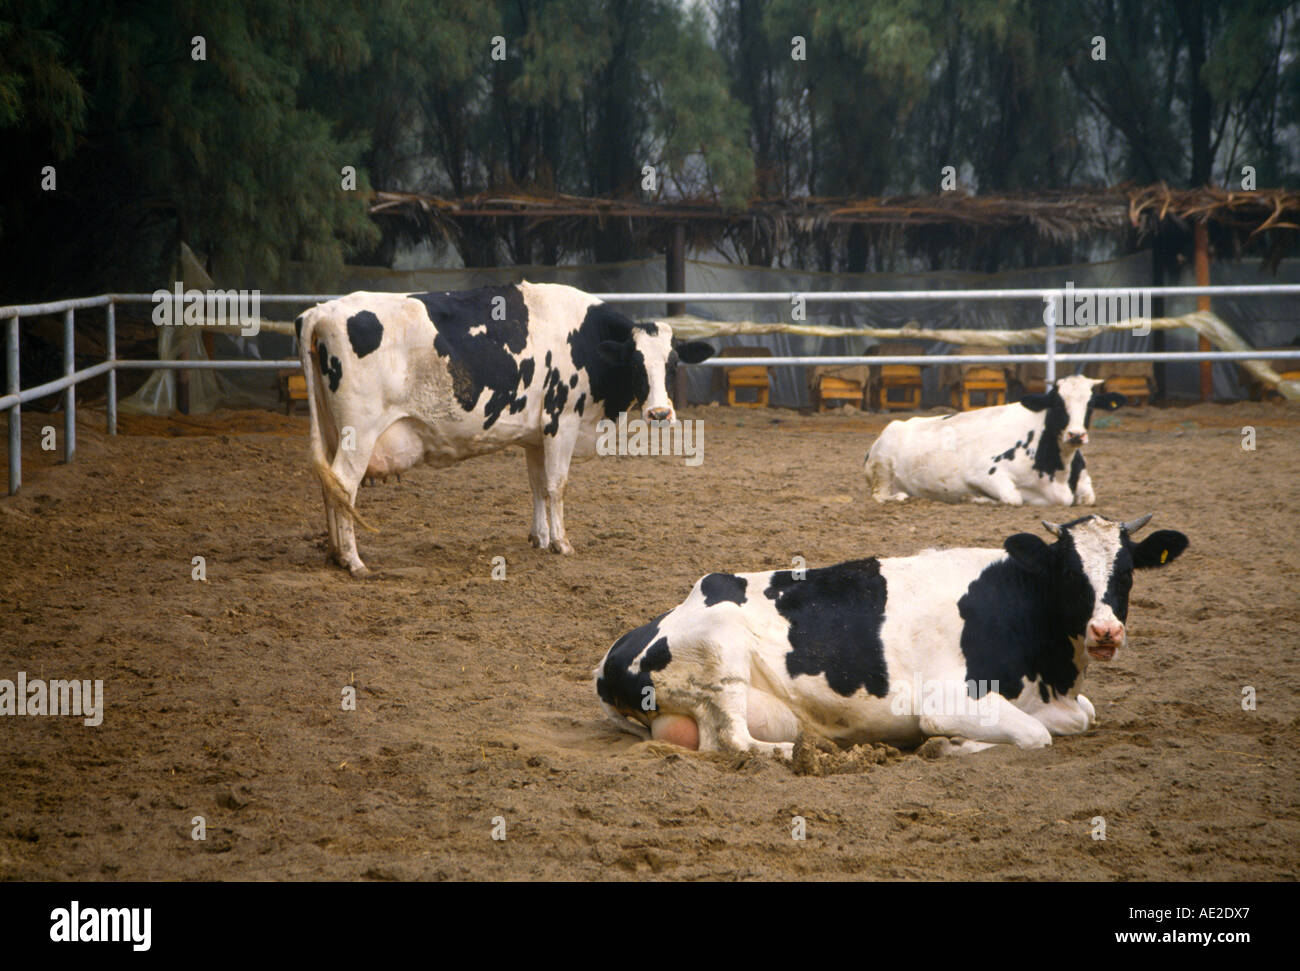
column 1159, row 548
column 615, row 352
column 1029, row 551
column 693, row 352
column 1108, row 401
column 1036, row 402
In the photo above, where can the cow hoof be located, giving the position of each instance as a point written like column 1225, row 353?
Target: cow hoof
column 537, row 541
column 359, row 570
column 938, row 747
column 561, row 546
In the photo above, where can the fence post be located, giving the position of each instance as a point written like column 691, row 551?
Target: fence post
column 1050, row 338
column 110, row 339
column 70, row 393
column 675, row 277
column 16, row 412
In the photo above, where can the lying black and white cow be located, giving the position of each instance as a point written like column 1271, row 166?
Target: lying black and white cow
column 1026, row 453
column 399, row 379
column 989, row 645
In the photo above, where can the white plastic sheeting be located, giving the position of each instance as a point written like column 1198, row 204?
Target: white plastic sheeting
column 1260, row 321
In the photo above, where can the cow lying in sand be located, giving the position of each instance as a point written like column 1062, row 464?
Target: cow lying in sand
column 988, row 645
column 1024, row 454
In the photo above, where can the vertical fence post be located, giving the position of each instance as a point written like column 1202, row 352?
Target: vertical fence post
column 70, row 393
column 110, row 339
column 1050, row 337
column 676, row 283
column 1201, row 235
column 16, row 412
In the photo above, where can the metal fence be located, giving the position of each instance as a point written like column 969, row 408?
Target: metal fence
column 15, row 396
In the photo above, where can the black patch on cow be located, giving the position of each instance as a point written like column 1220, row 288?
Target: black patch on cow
column 617, row 386
column 573, row 380
column 616, row 685
column 1077, row 466
column 365, row 332
column 1010, row 453
column 526, row 367
column 297, row 327
column 723, row 588
column 580, row 403
column 1017, row 623
column 835, row 615
column 329, row 366
column 483, row 361
column 556, row 393
column 1047, row 458
column 519, row 404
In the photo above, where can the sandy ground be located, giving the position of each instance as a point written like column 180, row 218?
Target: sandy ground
column 474, row 700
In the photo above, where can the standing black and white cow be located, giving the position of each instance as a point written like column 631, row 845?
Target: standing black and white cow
column 989, row 645
column 1026, row 453
column 399, row 379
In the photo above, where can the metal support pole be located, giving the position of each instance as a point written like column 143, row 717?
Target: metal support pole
column 1050, row 335
column 110, row 339
column 16, row 412
column 676, row 283
column 69, row 395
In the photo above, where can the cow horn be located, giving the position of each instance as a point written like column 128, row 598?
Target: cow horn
column 1054, row 528
column 1134, row 525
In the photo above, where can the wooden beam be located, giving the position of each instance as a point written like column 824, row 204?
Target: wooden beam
column 1201, row 234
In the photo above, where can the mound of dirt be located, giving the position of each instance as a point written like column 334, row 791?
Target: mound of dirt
column 818, row 756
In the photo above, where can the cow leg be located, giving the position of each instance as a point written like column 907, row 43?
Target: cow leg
column 1001, row 488
column 719, row 703
column 331, row 525
column 1083, row 491
column 1065, row 717
column 1000, row 722
column 732, row 734
column 557, row 453
column 880, row 481
column 939, row 747
column 1088, row 709
column 349, row 467
column 540, row 534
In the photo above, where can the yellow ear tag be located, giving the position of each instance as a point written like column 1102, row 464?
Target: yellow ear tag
column 1164, row 555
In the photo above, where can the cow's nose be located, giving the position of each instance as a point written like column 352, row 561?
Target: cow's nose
column 1077, row 438
column 659, row 414
column 1105, row 631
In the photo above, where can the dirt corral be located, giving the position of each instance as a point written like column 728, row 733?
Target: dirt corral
column 474, row 701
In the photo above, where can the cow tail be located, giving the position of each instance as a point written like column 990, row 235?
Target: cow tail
column 335, row 495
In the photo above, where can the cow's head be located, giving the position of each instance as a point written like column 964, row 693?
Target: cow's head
column 649, row 355
column 1089, row 572
column 1069, row 405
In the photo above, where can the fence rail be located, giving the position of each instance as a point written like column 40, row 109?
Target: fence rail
column 15, row 396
